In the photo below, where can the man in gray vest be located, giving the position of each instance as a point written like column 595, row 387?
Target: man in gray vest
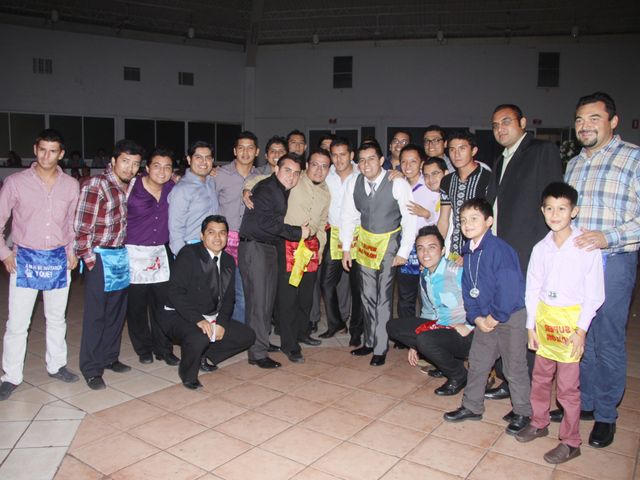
column 379, row 206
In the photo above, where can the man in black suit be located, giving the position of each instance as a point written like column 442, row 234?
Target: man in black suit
column 527, row 165
column 200, row 299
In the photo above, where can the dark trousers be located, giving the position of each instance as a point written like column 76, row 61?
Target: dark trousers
column 293, row 305
column 408, row 288
column 194, row 343
column 143, row 310
column 342, row 290
column 444, row 348
column 332, row 273
column 258, row 263
column 102, row 322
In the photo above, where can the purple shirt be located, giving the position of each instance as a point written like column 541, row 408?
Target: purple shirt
column 565, row 276
column 148, row 219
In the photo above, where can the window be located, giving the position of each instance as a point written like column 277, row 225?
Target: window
column 99, row 133
column 170, row 134
column 25, row 127
column 71, row 129
column 43, row 66
column 342, row 72
column 185, row 78
column 132, row 74
column 548, row 69
column 141, row 131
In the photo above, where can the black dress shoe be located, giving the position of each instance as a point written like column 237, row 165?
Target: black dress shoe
column 192, row 385
column 295, row 357
column 145, row 358
column 265, row 362
column 509, row 417
column 273, row 348
column 205, row 366
column 400, row 346
column 461, row 414
column 332, row 331
column 362, row 351
column 314, row 327
column 450, row 388
column 96, row 383
column 314, row 342
column 517, row 423
column 497, row 393
column 118, row 367
column 377, row 360
column 557, row 415
column 355, row 341
column 169, row 358
column 435, row 373
column 602, row 434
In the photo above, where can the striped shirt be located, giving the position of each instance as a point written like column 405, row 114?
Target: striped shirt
column 455, row 192
column 608, row 185
column 441, row 293
column 101, row 218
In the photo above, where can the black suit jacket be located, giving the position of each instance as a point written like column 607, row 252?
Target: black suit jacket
column 534, row 165
column 191, row 289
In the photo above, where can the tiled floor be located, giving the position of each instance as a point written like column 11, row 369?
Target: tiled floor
column 333, row 417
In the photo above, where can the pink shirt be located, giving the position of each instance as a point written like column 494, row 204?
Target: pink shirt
column 565, row 276
column 42, row 218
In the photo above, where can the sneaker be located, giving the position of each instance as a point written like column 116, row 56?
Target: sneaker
column 562, row 453
column 66, row 375
column 96, row 383
column 6, row 389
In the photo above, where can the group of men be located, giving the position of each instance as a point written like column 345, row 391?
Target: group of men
column 212, row 262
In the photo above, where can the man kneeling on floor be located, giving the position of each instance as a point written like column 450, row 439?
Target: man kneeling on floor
column 201, row 295
column 441, row 335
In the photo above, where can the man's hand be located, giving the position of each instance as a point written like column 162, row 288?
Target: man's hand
column 10, row 263
column 393, row 174
column 532, row 342
column 219, row 332
column 72, row 261
column 418, row 210
column 462, row 329
column 246, row 198
column 346, row 261
column 206, row 327
column 306, row 231
column 412, row 357
column 486, row 324
column 590, row 240
column 398, row 260
column 214, row 171
column 577, row 341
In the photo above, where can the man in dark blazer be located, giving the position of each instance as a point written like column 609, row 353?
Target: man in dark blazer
column 527, row 165
column 199, row 304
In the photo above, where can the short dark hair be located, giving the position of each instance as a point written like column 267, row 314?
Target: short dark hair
column 127, row 146
column 321, row 151
column 199, row 144
column 560, row 190
column 442, row 165
column 292, row 156
column 464, row 135
column 296, row 132
column 341, row 141
column 326, row 136
column 435, row 128
column 370, row 144
column 402, row 130
column 277, row 139
column 246, row 135
column 514, row 108
column 50, row 135
column 214, row 219
column 609, row 103
column 431, row 230
column 160, row 151
column 479, row 204
column 412, row 147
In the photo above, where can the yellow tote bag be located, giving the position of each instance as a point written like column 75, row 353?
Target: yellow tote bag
column 554, row 326
column 302, row 257
column 372, row 247
column 335, row 245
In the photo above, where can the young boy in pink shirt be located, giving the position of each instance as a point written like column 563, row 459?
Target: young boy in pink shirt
column 565, row 287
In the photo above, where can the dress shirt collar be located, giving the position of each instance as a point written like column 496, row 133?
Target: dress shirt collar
column 604, row 150
column 508, row 152
column 377, row 180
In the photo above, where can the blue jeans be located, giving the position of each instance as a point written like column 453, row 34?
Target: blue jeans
column 603, row 369
column 238, row 309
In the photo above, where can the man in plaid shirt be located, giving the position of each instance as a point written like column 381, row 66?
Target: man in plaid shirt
column 101, row 222
column 606, row 174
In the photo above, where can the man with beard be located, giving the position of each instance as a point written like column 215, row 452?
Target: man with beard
column 101, row 227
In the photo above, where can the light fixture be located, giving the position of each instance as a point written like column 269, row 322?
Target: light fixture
column 191, row 32
column 440, row 36
column 55, row 16
column 575, row 31
column 315, row 39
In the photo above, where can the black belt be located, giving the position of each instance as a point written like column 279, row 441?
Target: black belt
column 112, row 248
column 245, row 239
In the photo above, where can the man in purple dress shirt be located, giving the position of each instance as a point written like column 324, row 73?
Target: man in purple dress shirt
column 42, row 201
column 148, row 246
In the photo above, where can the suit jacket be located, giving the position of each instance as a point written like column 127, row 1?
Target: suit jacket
column 192, row 292
column 534, row 165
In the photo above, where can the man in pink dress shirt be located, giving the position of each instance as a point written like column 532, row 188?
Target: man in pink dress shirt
column 43, row 202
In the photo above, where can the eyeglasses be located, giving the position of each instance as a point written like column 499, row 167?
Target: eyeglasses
column 321, row 166
column 397, row 141
column 432, row 141
column 505, row 122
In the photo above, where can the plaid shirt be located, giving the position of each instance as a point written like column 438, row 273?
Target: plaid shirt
column 608, row 184
column 101, row 218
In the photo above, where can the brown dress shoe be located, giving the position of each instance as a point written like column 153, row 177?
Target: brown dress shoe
column 562, row 453
column 530, row 432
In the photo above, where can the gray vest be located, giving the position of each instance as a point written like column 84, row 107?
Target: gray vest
column 379, row 213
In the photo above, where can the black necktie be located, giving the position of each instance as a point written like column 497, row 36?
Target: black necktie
column 215, row 277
